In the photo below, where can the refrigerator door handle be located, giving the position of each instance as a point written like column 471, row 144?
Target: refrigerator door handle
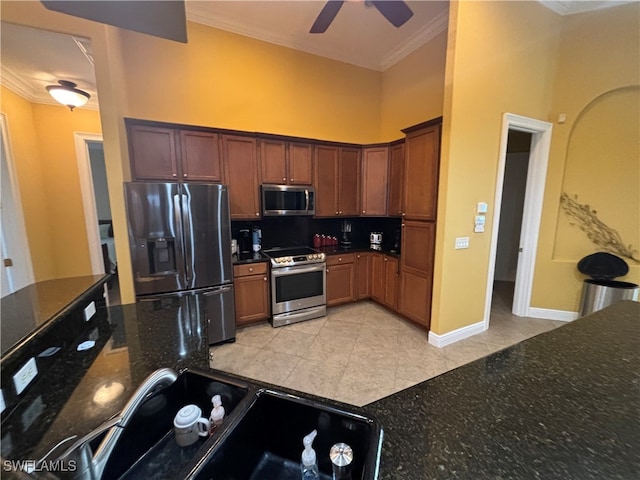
column 187, row 233
column 180, row 250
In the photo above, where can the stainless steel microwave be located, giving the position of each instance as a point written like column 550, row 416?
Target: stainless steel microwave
column 278, row 200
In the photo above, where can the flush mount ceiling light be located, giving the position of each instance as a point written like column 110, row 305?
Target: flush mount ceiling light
column 67, row 94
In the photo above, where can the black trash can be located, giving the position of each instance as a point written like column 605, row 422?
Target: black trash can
column 601, row 290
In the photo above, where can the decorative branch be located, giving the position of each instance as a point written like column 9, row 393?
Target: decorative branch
column 597, row 231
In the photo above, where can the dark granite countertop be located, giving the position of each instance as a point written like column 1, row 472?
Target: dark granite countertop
column 564, row 404
column 244, row 258
column 35, row 306
column 341, row 250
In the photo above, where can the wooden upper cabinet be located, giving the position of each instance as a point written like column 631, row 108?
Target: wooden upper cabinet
column 422, row 155
column 349, row 182
column 171, row 154
column 337, row 181
column 286, row 162
column 375, row 174
column 326, row 183
column 153, row 153
column 396, row 170
column 300, row 164
column 200, row 156
column 240, row 160
column 273, row 161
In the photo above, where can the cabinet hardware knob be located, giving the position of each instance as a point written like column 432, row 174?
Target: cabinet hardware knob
column 184, row 175
column 403, row 225
column 175, row 175
column 251, row 269
column 364, row 211
column 336, row 213
column 284, row 179
column 291, row 180
column 265, row 279
column 385, row 259
column 339, row 259
column 327, row 270
column 403, row 214
column 257, row 214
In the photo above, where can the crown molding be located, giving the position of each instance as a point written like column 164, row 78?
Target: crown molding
column 14, row 83
column 437, row 25
column 199, row 14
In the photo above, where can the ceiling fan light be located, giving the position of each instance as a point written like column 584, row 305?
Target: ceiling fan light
column 67, row 94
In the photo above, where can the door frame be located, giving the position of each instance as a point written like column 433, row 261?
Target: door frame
column 89, row 199
column 532, row 210
column 26, row 274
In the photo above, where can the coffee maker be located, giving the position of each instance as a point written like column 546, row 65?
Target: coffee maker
column 345, row 228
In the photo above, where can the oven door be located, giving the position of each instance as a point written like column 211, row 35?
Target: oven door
column 298, row 287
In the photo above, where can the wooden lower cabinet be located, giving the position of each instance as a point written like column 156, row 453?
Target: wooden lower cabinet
column 384, row 279
column 340, row 279
column 251, row 285
column 414, row 300
column 363, row 275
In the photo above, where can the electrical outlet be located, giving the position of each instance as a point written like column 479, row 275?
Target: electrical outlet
column 89, row 311
column 462, row 242
column 25, row 375
column 3, row 405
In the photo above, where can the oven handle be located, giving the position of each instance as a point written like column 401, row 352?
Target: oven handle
column 279, row 272
column 306, row 196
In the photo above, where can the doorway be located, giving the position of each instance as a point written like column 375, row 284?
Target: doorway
column 519, row 193
column 17, row 270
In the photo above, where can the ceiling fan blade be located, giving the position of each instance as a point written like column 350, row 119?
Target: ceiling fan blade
column 397, row 12
column 326, row 16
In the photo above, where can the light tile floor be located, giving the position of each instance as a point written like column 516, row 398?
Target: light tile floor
column 362, row 352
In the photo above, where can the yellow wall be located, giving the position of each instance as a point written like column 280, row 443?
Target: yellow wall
column 413, row 88
column 42, row 140
column 225, row 80
column 596, row 153
column 501, row 58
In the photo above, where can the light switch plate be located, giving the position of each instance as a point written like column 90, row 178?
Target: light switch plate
column 482, row 207
column 89, row 311
column 25, row 375
column 462, row 242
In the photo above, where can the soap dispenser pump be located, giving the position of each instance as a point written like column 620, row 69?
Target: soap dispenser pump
column 217, row 414
column 309, row 464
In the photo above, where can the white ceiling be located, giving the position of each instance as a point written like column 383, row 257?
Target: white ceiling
column 359, row 35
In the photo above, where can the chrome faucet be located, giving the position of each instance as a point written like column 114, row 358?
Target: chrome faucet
column 80, row 462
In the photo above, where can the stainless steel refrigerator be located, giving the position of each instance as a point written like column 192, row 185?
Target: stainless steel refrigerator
column 180, row 240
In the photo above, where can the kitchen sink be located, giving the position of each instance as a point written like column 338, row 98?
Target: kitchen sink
column 260, row 437
column 147, row 448
column 266, row 442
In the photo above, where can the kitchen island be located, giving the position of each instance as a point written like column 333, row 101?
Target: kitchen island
column 564, row 404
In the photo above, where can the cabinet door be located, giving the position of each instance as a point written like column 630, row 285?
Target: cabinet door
column 377, row 277
column 414, row 300
column 325, row 181
column 200, row 156
column 422, row 156
column 391, row 275
column 153, row 153
column 349, row 182
column 252, row 298
column 375, row 168
column 396, row 169
column 241, row 174
column 417, row 246
column 300, row 162
column 340, row 284
column 363, row 275
column 273, row 161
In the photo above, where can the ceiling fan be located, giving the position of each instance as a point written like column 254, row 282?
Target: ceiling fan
column 396, row 12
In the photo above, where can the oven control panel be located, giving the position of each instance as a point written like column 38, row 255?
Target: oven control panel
column 298, row 260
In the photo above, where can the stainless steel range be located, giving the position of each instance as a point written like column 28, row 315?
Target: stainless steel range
column 298, row 285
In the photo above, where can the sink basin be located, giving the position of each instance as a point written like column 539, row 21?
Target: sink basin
column 147, row 448
column 266, row 442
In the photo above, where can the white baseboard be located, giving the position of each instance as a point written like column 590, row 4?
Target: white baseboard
column 455, row 335
column 548, row 314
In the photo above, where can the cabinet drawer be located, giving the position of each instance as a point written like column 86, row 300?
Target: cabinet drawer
column 339, row 259
column 250, row 269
